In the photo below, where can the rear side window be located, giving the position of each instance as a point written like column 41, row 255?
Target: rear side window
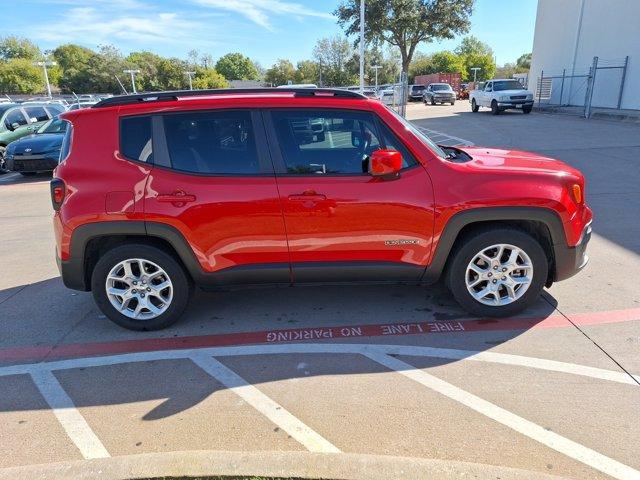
column 66, row 141
column 15, row 117
column 212, row 142
column 39, row 113
column 135, row 139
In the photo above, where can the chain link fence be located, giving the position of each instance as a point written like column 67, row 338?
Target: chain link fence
column 600, row 85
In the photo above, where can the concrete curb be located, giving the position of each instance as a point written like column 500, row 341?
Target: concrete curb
column 343, row 466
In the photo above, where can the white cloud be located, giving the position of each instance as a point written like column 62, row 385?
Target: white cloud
column 258, row 11
column 125, row 22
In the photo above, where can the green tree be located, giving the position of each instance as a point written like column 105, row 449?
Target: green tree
column 158, row 73
column 19, row 75
column 475, row 53
column 335, row 57
column 523, row 64
column 307, row 71
column 15, row 47
column 74, row 62
column 208, row 78
column 406, row 23
column 235, row 66
column 421, row 65
column 447, row 62
column 473, row 46
column 280, row 73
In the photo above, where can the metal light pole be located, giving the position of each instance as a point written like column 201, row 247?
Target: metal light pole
column 133, row 78
column 475, row 71
column 44, row 66
column 188, row 74
column 361, row 46
column 376, row 68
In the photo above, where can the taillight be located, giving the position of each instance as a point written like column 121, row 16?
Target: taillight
column 58, row 192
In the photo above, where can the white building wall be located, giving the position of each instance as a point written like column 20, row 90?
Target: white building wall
column 569, row 33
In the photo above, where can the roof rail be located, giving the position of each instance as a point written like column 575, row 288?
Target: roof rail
column 174, row 95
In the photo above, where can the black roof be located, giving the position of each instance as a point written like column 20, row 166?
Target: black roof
column 174, row 95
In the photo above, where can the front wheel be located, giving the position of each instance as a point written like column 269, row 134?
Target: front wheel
column 453, row 103
column 474, row 106
column 495, row 110
column 140, row 287
column 498, row 272
column 526, row 110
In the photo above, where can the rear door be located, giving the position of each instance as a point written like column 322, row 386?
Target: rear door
column 214, row 183
column 342, row 223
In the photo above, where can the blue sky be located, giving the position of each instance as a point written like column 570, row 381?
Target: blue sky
column 265, row 30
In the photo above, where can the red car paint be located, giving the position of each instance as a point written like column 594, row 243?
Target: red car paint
column 235, row 221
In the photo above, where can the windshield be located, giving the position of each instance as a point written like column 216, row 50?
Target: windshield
column 417, row 88
column 507, row 85
column 420, row 134
column 55, row 125
column 440, row 87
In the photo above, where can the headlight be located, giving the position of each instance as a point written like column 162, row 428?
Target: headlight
column 504, row 98
column 530, row 96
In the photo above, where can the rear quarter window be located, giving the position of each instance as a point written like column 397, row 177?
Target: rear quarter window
column 65, row 149
column 135, row 139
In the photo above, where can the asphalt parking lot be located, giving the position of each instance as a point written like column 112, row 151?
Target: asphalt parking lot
column 337, row 382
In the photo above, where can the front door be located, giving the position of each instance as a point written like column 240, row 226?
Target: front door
column 214, row 183
column 342, row 223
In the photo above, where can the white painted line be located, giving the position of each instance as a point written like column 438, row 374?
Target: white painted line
column 521, row 425
column 7, row 177
column 461, row 141
column 275, row 412
column 333, row 348
column 69, row 417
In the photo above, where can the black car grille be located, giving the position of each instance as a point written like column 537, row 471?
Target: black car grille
column 518, row 97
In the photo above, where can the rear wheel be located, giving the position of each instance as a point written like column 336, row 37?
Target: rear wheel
column 474, row 105
column 497, row 272
column 140, row 287
column 495, row 110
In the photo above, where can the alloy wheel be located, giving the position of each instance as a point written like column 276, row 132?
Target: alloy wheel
column 499, row 275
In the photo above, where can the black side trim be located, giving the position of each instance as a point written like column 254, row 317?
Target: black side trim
column 356, row 272
column 461, row 219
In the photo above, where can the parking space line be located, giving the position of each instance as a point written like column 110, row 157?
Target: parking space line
column 333, row 348
column 68, row 415
column 521, row 425
column 275, row 412
column 434, row 133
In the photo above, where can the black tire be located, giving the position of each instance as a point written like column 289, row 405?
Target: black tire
column 474, row 106
column 28, row 174
column 526, row 110
column 433, row 102
column 495, row 110
column 470, row 246
column 453, row 103
column 3, row 150
column 179, row 279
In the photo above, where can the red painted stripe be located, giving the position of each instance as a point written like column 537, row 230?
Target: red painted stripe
column 44, row 352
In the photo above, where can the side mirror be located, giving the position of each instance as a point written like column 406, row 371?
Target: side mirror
column 33, row 120
column 385, row 162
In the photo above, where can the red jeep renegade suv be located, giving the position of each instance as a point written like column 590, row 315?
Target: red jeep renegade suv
column 158, row 192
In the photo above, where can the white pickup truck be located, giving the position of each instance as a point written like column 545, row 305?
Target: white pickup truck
column 500, row 95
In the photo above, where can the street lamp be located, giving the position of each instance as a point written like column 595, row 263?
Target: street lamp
column 361, row 46
column 44, row 65
column 475, row 71
column 376, row 68
column 133, row 78
column 188, row 74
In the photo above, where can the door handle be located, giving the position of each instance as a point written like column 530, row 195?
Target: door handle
column 307, row 196
column 177, row 197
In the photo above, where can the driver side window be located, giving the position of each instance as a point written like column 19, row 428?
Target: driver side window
column 326, row 142
column 489, row 87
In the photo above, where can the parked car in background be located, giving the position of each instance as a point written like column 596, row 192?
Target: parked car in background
column 39, row 152
column 387, row 96
column 453, row 79
column 500, row 95
column 439, row 93
column 46, row 100
column 82, row 104
column 375, row 200
column 17, row 121
column 416, row 92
